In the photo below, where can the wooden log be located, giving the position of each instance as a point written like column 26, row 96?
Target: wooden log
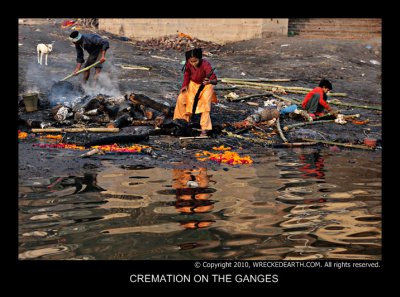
column 148, row 102
column 75, row 130
column 349, row 145
column 143, row 123
column 117, row 139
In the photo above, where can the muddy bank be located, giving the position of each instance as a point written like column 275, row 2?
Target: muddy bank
column 353, row 67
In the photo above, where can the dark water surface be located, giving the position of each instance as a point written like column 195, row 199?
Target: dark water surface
column 300, row 204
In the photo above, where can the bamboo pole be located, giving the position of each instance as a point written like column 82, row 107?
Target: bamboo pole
column 286, row 128
column 194, row 137
column 345, row 116
column 258, row 79
column 225, row 88
column 135, row 67
column 251, row 96
column 248, row 139
column 74, row 130
column 286, row 99
column 337, row 102
column 296, row 90
column 80, row 71
column 278, row 126
column 293, row 144
column 350, row 145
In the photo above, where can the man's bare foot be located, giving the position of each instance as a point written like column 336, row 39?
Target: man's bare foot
column 203, row 133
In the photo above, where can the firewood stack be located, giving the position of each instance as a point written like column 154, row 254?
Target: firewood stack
column 181, row 42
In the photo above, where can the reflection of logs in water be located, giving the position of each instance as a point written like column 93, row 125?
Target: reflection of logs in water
column 50, row 252
column 353, row 227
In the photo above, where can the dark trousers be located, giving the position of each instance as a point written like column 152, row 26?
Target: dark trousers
column 93, row 57
column 313, row 105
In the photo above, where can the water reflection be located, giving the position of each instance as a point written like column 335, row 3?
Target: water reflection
column 190, row 195
column 290, row 204
column 327, row 215
column 312, row 165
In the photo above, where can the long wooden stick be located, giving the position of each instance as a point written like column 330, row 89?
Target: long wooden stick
column 286, row 128
column 345, row 116
column 293, row 144
column 80, row 71
column 340, row 144
column 278, row 126
column 286, row 99
column 193, row 137
column 251, row 96
column 337, row 102
column 258, row 79
column 73, row 130
column 224, row 88
column 135, row 67
column 296, row 90
column 254, row 140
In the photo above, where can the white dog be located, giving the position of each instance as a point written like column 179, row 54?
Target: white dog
column 43, row 49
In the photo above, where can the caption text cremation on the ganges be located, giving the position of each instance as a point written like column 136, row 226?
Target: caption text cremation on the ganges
column 204, row 278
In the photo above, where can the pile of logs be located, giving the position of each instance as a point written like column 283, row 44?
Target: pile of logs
column 113, row 112
column 181, row 42
column 88, row 23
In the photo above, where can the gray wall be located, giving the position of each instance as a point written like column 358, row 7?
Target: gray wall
column 215, row 30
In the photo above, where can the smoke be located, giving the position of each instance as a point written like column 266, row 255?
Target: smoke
column 38, row 78
column 104, row 85
column 43, row 79
column 107, row 82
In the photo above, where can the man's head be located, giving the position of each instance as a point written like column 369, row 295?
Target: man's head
column 75, row 36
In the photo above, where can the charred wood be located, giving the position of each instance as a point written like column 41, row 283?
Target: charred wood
column 118, row 139
column 148, row 102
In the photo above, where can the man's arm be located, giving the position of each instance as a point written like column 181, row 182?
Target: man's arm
column 103, row 57
column 79, row 58
column 79, row 54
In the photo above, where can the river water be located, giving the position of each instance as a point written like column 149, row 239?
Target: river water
column 297, row 204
